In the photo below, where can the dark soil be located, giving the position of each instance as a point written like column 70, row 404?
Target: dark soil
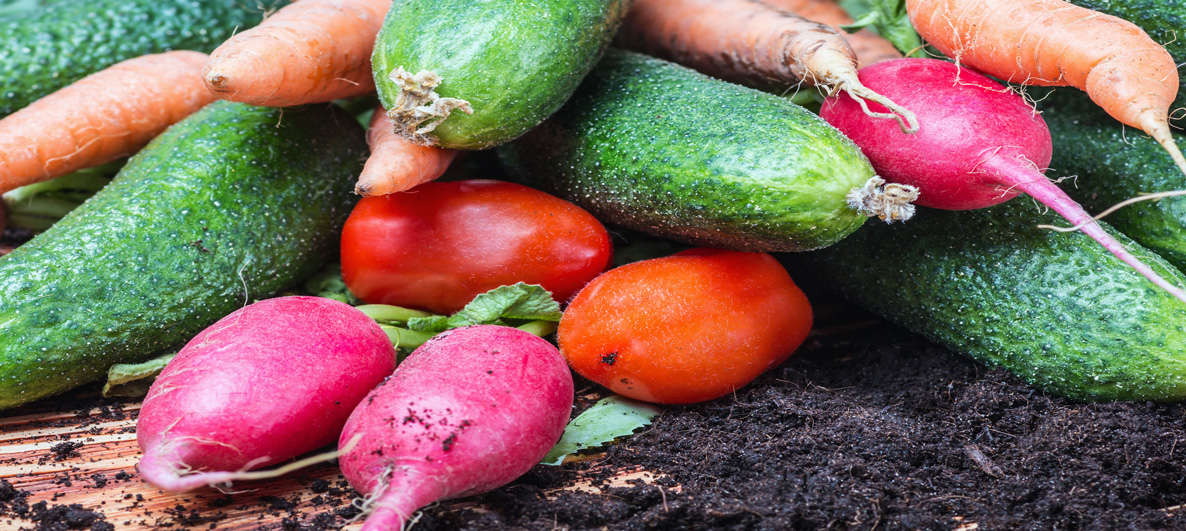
column 872, row 427
column 866, row 427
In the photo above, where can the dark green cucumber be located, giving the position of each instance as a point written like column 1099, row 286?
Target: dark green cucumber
column 233, row 204
column 1112, row 163
column 1056, row 309
column 46, row 49
column 1163, row 20
column 661, row 149
column 514, row 62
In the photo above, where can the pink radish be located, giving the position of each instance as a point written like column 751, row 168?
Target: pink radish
column 978, row 144
column 264, row 384
column 467, row 412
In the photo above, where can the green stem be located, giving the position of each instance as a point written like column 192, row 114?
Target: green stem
column 539, row 328
column 39, row 213
column 404, row 338
column 385, row 313
column 84, row 181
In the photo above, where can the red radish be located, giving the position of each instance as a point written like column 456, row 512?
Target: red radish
column 467, row 412
column 978, row 144
column 264, row 384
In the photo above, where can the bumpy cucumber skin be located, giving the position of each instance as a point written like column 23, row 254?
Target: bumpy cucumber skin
column 1163, row 20
column 44, row 50
column 515, row 62
column 661, row 149
column 223, row 208
column 1055, row 309
column 1113, row 163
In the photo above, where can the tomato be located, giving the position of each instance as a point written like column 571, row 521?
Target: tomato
column 685, row 328
column 441, row 244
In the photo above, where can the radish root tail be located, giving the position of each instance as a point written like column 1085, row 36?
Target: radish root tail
column 1117, row 206
column 906, row 119
column 888, row 201
column 418, row 108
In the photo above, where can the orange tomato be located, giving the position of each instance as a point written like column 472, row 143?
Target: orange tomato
column 685, row 328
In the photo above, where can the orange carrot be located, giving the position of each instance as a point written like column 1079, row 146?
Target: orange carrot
column 396, row 164
column 1054, row 43
column 102, row 117
column 752, row 43
column 869, row 47
column 307, row 52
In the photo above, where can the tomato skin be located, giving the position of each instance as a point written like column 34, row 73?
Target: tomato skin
column 685, row 328
column 439, row 245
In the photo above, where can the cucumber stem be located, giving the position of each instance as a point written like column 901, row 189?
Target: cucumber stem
column 418, row 103
column 889, row 202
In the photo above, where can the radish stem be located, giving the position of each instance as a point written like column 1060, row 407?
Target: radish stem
column 1009, row 172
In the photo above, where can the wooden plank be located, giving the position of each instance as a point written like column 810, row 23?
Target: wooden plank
column 89, row 458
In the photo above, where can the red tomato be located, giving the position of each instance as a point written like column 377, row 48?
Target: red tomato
column 685, row 328
column 440, row 244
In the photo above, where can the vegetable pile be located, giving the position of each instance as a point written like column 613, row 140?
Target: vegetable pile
column 432, row 368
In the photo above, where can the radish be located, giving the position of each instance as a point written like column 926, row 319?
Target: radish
column 266, row 383
column 978, row 144
column 467, row 412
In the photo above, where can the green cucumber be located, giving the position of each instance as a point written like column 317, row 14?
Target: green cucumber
column 661, row 149
column 513, row 63
column 1057, row 310
column 1112, row 163
column 45, row 49
column 1163, row 20
column 234, row 203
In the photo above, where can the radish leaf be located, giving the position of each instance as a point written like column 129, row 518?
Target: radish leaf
column 610, row 418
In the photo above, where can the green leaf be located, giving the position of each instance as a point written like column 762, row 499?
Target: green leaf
column 889, row 19
column 433, row 325
column 528, row 302
column 328, row 283
column 134, row 379
column 610, row 418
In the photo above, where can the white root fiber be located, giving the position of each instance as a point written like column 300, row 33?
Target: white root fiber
column 888, row 201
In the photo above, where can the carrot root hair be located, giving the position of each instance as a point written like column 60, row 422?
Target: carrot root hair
column 418, row 103
column 890, row 202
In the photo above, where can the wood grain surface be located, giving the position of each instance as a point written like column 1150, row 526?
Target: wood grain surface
column 63, row 456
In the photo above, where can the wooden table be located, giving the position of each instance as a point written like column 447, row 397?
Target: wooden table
column 64, row 455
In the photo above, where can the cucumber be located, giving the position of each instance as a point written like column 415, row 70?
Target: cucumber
column 45, row 49
column 1055, row 309
column 662, row 149
column 1113, row 163
column 234, row 203
column 1163, row 20
column 512, row 62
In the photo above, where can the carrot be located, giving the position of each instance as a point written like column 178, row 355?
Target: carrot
column 752, row 43
column 395, row 163
column 1054, row 43
column 869, row 47
column 102, row 117
column 307, row 52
